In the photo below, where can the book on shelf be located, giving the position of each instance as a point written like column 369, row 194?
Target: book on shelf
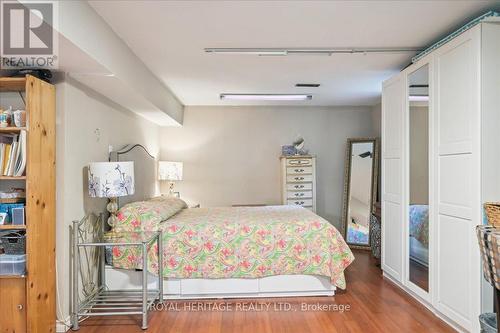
column 13, row 154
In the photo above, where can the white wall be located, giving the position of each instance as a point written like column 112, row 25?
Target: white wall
column 377, row 119
column 231, row 154
column 87, row 124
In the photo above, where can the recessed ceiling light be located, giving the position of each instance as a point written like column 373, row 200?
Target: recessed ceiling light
column 266, row 97
column 418, row 98
column 307, row 85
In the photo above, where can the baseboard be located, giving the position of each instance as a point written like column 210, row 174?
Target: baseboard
column 61, row 327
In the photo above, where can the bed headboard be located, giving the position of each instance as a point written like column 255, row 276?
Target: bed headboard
column 146, row 183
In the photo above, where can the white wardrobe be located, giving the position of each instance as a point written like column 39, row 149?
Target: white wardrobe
column 463, row 172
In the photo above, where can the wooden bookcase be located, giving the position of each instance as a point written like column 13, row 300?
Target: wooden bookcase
column 28, row 303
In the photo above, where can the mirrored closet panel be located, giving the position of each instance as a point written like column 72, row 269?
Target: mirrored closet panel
column 418, row 187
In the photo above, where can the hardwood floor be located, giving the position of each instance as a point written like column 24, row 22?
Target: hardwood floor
column 376, row 305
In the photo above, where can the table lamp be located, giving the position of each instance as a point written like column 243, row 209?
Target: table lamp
column 111, row 180
column 171, row 171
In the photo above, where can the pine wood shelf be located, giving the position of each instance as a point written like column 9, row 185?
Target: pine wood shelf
column 40, row 312
column 12, row 276
column 12, row 227
column 12, row 200
column 12, row 177
column 12, row 129
column 12, row 84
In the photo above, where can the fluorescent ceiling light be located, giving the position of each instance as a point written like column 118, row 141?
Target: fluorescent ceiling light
column 266, row 97
column 259, row 52
column 419, row 98
column 309, row 51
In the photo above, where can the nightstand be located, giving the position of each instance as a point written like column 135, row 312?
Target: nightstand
column 107, row 302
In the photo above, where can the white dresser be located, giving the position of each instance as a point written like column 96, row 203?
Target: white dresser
column 298, row 181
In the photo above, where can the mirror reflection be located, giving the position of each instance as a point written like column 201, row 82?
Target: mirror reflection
column 419, row 178
column 358, row 199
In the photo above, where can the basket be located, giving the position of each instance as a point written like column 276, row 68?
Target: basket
column 13, row 243
column 492, row 210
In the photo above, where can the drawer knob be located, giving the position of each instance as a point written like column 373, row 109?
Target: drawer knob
column 299, row 178
column 299, row 194
column 299, row 170
column 299, row 186
column 299, row 202
column 19, row 306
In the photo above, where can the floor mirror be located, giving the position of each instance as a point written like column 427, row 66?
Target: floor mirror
column 360, row 190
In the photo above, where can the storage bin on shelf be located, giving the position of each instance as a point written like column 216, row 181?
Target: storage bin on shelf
column 12, row 264
column 13, row 242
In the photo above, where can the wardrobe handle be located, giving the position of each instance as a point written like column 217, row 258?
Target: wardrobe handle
column 19, row 307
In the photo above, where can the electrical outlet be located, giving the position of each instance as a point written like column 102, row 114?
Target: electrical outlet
column 97, row 133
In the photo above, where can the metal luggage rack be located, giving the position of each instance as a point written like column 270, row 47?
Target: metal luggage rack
column 102, row 301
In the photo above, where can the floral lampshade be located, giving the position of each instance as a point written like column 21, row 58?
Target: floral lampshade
column 111, row 179
column 170, row 170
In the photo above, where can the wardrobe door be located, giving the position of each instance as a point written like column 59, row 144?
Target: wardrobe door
column 457, row 278
column 418, row 262
column 393, row 105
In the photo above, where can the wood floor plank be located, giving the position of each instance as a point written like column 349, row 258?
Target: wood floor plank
column 376, row 304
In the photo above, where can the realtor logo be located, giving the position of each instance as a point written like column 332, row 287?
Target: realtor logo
column 28, row 37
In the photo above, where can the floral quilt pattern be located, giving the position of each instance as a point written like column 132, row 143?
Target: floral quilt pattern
column 419, row 223
column 245, row 242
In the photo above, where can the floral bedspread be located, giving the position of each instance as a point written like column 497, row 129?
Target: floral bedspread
column 245, row 242
column 419, row 223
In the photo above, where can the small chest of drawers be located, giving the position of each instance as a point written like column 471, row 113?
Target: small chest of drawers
column 298, row 179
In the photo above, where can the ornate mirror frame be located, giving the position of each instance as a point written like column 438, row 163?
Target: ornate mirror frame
column 347, row 183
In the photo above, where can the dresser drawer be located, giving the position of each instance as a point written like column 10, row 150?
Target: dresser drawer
column 298, row 170
column 300, row 202
column 298, row 161
column 301, row 186
column 299, row 178
column 299, row 194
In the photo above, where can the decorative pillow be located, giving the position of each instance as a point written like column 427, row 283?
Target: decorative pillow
column 147, row 215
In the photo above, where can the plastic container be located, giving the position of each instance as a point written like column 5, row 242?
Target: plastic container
column 488, row 322
column 12, row 264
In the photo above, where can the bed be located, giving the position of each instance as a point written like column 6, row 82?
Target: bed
column 231, row 252
column 419, row 234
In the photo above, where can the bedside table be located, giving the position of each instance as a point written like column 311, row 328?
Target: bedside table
column 107, row 302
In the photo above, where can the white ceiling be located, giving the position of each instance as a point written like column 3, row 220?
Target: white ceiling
column 169, row 36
